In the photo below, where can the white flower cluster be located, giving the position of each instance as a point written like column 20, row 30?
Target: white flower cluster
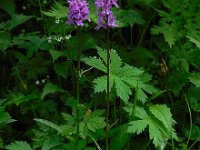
column 58, row 38
column 37, row 82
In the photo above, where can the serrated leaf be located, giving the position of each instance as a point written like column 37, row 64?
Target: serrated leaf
column 50, row 144
column 49, row 124
column 163, row 113
column 137, row 126
column 96, row 123
column 122, row 77
column 122, row 89
column 18, row 145
column 50, row 88
column 57, row 11
column 95, row 62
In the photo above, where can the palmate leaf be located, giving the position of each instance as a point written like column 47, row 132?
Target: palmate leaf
column 123, row 77
column 160, row 124
column 19, row 145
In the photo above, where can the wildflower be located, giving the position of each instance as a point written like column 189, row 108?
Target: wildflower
column 59, row 39
column 43, row 80
column 106, row 18
column 67, row 37
column 78, row 12
column 57, row 21
column 37, row 82
column 49, row 39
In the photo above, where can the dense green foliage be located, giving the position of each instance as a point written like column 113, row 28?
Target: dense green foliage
column 154, row 77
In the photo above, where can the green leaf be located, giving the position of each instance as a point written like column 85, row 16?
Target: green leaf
column 162, row 113
column 128, row 17
column 62, row 69
column 49, row 124
column 96, row 123
column 50, row 144
column 5, row 118
column 195, row 79
column 18, row 145
column 194, row 41
column 8, row 6
column 57, row 11
column 4, row 40
column 51, row 88
column 120, row 138
column 123, row 78
column 56, row 54
column 17, row 20
column 137, row 126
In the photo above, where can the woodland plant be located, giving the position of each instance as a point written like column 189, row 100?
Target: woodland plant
column 84, row 83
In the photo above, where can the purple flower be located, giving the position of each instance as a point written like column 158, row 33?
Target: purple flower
column 106, row 18
column 78, row 12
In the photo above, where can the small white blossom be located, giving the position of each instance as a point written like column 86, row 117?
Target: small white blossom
column 24, row 7
column 57, row 21
column 44, row 1
column 37, row 82
column 67, row 37
column 49, row 39
column 43, row 80
column 59, row 39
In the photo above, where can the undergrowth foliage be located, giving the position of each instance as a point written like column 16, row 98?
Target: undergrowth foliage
column 54, row 89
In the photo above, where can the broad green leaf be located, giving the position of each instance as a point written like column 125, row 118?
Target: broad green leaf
column 18, row 145
column 8, row 6
column 51, row 88
column 56, row 54
column 120, row 138
column 62, row 69
column 195, row 79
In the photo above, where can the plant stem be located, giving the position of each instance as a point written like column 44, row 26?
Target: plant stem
column 108, row 90
column 78, row 85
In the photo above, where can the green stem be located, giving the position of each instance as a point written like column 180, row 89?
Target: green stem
column 78, row 84
column 108, row 90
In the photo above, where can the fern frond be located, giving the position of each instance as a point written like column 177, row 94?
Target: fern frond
column 19, row 145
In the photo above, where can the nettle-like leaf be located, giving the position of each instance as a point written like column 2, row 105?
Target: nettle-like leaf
column 123, row 77
column 57, row 11
column 159, row 121
column 19, row 145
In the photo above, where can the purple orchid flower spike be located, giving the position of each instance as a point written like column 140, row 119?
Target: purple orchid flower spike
column 106, row 18
column 78, row 12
